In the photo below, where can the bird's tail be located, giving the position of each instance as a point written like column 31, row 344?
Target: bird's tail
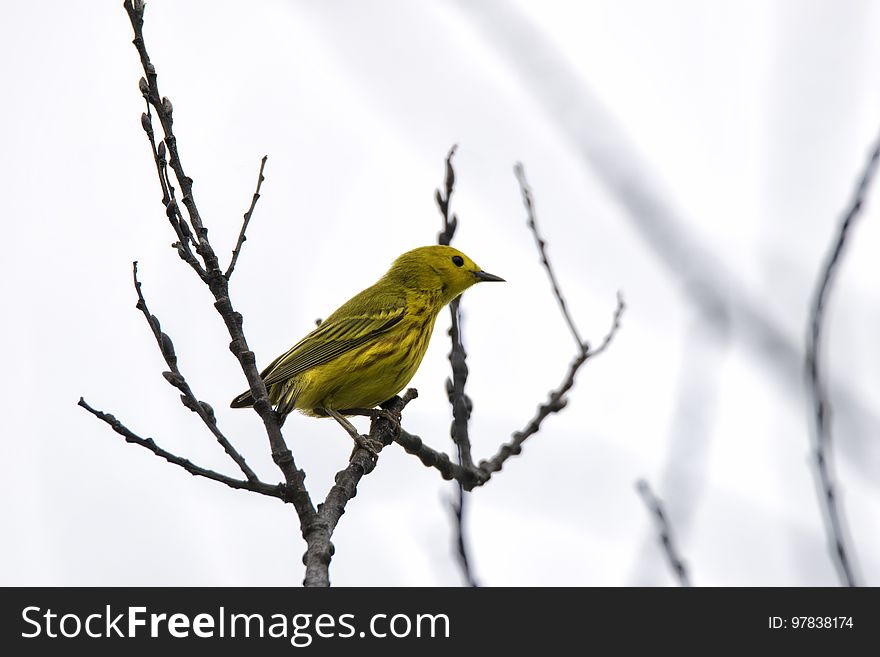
column 244, row 400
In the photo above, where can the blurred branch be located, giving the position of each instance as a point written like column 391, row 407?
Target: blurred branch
column 247, row 219
column 176, row 379
column 457, row 505
column 450, row 222
column 656, row 508
column 690, row 435
column 616, row 161
column 835, row 523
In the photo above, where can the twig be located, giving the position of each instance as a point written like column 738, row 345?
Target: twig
column 556, row 400
column 164, row 110
column 320, row 549
column 172, row 209
column 615, row 326
column 317, row 525
column 450, row 222
column 215, row 280
column 472, row 477
column 541, row 243
column 459, row 401
column 176, row 379
column 431, row 458
column 247, row 219
column 656, row 508
column 253, row 485
column 461, row 413
column 821, row 406
column 465, row 473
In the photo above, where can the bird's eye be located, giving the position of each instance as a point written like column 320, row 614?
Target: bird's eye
column 458, row 261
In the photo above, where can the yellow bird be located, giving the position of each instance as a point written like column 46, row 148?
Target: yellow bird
column 370, row 347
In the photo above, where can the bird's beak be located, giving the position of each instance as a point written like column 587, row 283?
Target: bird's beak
column 486, row 276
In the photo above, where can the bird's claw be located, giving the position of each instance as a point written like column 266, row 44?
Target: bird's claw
column 393, row 417
column 366, row 443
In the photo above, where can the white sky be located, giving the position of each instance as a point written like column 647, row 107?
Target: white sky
column 751, row 121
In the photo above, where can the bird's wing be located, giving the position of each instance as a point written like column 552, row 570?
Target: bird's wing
column 331, row 339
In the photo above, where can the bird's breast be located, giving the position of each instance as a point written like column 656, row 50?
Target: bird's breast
column 425, row 303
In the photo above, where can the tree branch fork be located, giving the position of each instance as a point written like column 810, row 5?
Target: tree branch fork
column 317, row 524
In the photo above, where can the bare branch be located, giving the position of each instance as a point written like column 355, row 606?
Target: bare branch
column 216, row 281
column 320, row 549
column 541, row 243
column 615, row 326
column 253, row 485
column 656, row 508
column 317, row 525
column 247, row 219
column 172, row 209
column 459, row 401
column 431, row 458
column 164, row 110
column 450, row 223
column 458, row 506
column 556, row 400
column 478, row 476
column 466, row 474
column 835, row 523
column 176, row 379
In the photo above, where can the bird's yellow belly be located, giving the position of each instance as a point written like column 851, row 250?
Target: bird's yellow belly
column 366, row 376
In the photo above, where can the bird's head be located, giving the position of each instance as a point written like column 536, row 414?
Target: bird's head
column 440, row 269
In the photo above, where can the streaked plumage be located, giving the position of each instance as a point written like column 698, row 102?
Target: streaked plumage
column 369, row 349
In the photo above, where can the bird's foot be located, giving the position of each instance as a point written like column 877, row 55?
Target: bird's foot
column 360, row 440
column 366, row 443
column 374, row 413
